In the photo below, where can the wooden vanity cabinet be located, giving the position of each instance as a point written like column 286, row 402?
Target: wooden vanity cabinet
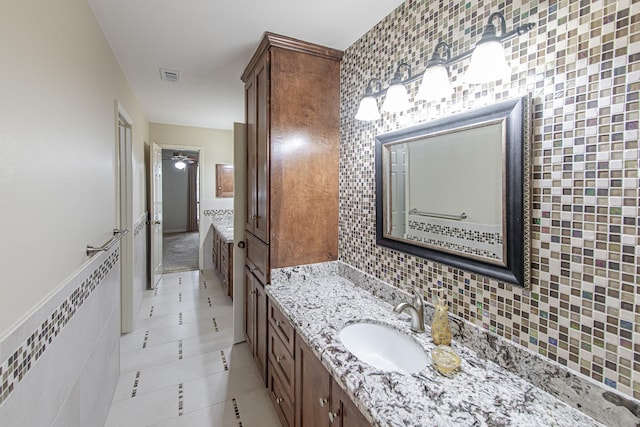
column 292, row 107
column 320, row 402
column 222, row 257
column 255, row 320
column 281, row 373
column 344, row 412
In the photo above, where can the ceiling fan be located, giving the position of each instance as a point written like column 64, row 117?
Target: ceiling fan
column 181, row 159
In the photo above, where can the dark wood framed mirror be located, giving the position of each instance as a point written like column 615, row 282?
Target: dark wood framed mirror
column 456, row 190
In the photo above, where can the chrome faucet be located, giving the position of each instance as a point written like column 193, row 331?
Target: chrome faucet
column 416, row 310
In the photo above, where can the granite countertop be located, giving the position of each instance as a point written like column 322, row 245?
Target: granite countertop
column 224, row 225
column 480, row 394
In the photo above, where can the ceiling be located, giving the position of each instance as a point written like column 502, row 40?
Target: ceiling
column 210, row 42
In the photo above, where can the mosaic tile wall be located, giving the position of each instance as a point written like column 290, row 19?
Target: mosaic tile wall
column 13, row 370
column 581, row 63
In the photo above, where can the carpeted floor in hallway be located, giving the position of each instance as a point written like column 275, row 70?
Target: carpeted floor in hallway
column 180, row 251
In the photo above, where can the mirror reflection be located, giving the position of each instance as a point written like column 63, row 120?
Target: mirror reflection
column 445, row 191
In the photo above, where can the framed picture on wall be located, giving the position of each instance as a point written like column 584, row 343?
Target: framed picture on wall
column 224, row 180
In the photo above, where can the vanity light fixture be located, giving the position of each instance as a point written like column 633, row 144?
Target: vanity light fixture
column 368, row 109
column 397, row 98
column 488, row 63
column 180, row 164
column 435, row 83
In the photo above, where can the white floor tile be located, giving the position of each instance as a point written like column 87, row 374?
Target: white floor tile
column 220, row 387
column 144, row 410
column 179, row 367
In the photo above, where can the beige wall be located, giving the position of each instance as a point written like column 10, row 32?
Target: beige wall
column 57, row 139
column 216, row 146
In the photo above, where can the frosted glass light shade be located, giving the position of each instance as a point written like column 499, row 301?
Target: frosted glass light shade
column 435, row 84
column 180, row 164
column 368, row 109
column 397, row 99
column 488, row 63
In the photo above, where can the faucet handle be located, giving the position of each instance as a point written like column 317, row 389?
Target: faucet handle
column 417, row 299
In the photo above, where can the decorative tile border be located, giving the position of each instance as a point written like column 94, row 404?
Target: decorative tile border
column 13, row 370
column 216, row 212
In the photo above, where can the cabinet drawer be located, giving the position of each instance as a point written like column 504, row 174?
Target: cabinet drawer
column 280, row 324
column 282, row 402
column 282, row 360
column 258, row 258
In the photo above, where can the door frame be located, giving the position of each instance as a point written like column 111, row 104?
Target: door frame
column 124, row 215
column 155, row 217
column 200, row 149
column 239, row 233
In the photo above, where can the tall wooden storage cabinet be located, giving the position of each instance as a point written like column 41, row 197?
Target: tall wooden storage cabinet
column 292, row 108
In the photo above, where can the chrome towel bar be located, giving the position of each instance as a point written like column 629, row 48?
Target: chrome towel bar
column 117, row 235
column 460, row 217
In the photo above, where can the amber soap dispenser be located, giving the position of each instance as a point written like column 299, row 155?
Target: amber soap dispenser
column 440, row 332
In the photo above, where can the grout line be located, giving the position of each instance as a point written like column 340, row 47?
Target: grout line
column 180, row 400
column 237, row 411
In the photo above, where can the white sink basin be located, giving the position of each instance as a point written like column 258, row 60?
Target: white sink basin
column 383, row 347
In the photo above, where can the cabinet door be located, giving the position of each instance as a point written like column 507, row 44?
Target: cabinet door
column 312, row 388
column 250, row 117
column 343, row 412
column 249, row 309
column 261, row 223
column 260, row 337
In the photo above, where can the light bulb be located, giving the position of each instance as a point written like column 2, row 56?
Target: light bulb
column 435, row 84
column 397, row 99
column 180, row 165
column 368, row 109
column 488, row 63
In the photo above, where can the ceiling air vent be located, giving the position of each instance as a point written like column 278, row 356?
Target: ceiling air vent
column 170, row 75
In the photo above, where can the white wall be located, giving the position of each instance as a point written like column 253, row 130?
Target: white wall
column 175, row 197
column 57, row 139
column 57, row 185
column 216, row 146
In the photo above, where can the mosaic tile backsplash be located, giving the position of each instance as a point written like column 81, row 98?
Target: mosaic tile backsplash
column 581, row 64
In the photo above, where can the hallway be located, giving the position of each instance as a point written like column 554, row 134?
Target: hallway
column 179, row 367
column 180, row 251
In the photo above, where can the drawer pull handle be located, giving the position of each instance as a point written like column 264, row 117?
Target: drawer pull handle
column 323, row 402
column 279, row 400
column 279, row 359
column 332, row 417
column 278, row 322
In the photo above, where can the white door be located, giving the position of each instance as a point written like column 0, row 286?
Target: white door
column 239, row 220
column 397, row 196
column 156, row 214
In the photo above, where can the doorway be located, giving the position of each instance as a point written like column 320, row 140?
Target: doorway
column 129, row 296
column 180, row 206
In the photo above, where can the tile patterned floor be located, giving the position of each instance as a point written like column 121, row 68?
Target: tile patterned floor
column 179, row 367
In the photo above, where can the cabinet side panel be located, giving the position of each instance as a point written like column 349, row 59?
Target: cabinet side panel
column 305, row 97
